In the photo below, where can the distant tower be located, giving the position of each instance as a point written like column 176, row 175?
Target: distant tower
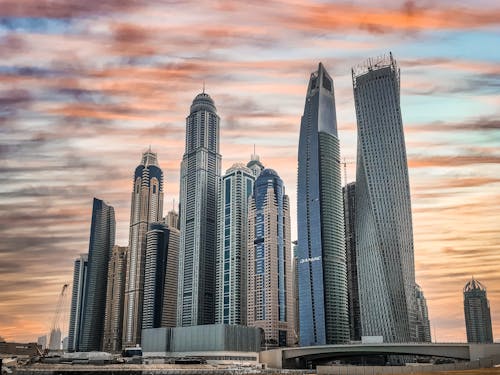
column 231, row 267
column 270, row 294
column 160, row 276
column 321, row 240
column 147, row 207
column 115, row 296
column 423, row 323
column 200, row 178
column 384, row 234
column 477, row 313
column 102, row 240
column 349, row 192
column 77, row 302
column 42, row 341
column 55, row 339
column 295, row 287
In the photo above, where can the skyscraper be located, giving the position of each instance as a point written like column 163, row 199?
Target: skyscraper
column 384, row 234
column 231, row 268
column 477, row 313
column 270, row 294
column 55, row 339
column 115, row 296
column 255, row 165
column 77, row 302
column 147, row 207
column 423, row 323
column 349, row 192
column 160, row 276
column 320, row 220
column 200, row 178
column 102, row 239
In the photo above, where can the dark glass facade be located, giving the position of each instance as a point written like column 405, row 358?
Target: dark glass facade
column 320, row 218
column 77, row 302
column 477, row 313
column 102, row 239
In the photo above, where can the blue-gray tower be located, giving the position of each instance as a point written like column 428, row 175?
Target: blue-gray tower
column 102, row 239
column 320, row 218
column 200, row 179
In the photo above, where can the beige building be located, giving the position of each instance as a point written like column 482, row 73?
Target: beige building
column 270, row 292
column 113, row 320
column 169, row 313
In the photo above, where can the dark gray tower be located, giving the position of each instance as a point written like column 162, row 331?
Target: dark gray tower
column 200, row 178
column 384, row 232
column 423, row 323
column 320, row 219
column 102, row 239
column 352, row 269
column 477, row 313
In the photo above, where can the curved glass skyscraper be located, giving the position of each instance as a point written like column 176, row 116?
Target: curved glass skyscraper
column 200, row 176
column 384, row 234
column 477, row 313
column 320, row 218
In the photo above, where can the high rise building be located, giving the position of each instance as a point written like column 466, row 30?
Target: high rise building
column 55, row 339
column 160, row 276
column 349, row 192
column 270, row 294
column 423, row 323
column 102, row 240
column 384, row 234
column 115, row 296
column 169, row 314
column 231, row 267
column 295, row 287
column 255, row 165
column 147, row 207
column 200, row 178
column 42, row 341
column 320, row 220
column 77, row 302
column 477, row 313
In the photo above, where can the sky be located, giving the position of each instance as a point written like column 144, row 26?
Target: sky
column 87, row 86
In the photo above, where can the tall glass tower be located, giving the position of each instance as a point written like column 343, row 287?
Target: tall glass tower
column 200, row 178
column 147, row 207
column 102, row 240
column 320, row 219
column 477, row 313
column 270, row 293
column 231, row 270
column 77, row 302
column 384, row 234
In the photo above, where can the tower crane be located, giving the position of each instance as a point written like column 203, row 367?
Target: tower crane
column 55, row 330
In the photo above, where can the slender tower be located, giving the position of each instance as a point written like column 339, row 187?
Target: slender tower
column 320, row 219
column 477, row 313
column 102, row 240
column 384, row 234
column 113, row 325
column 231, row 273
column 147, row 207
column 200, row 179
column 77, row 302
column 423, row 323
column 270, row 293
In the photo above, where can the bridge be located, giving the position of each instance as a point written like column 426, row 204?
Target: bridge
column 298, row 356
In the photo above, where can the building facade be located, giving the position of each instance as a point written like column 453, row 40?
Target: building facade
column 199, row 188
column 55, row 339
column 231, row 266
column 320, row 220
column 423, row 323
column 160, row 278
column 349, row 192
column 147, row 207
column 77, row 302
column 384, row 234
column 270, row 294
column 102, row 240
column 477, row 313
column 255, row 165
column 115, row 297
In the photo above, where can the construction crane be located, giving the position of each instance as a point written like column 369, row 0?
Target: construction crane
column 55, row 329
column 344, row 163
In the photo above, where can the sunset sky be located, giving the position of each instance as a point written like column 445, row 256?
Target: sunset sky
column 87, row 86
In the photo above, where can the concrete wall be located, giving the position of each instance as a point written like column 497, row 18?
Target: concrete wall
column 383, row 370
